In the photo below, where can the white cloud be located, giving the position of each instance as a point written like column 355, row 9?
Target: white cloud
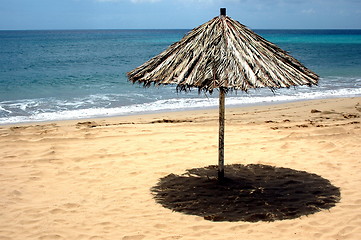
column 210, row 1
column 108, row 0
column 133, row 1
column 141, row 1
column 153, row 1
column 309, row 11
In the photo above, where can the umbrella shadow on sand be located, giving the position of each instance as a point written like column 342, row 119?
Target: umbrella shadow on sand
column 248, row 193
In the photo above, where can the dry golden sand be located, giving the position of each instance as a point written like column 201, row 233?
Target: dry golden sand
column 92, row 179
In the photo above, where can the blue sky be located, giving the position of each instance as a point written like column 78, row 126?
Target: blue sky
column 173, row 14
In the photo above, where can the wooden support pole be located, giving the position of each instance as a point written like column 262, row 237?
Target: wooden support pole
column 221, row 134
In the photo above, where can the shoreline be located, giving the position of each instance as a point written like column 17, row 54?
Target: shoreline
column 93, row 178
column 174, row 112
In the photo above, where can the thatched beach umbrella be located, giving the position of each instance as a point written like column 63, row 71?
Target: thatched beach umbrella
column 223, row 54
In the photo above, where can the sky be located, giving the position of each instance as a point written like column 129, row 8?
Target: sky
column 177, row 14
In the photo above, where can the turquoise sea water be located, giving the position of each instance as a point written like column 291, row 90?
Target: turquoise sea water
column 56, row 75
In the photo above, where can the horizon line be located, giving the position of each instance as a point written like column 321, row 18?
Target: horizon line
column 127, row 29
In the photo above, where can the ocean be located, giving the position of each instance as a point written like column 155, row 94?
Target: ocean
column 75, row 74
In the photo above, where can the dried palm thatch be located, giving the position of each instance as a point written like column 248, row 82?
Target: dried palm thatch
column 226, row 55
column 222, row 53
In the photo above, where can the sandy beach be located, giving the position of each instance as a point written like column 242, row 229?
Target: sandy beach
column 92, row 179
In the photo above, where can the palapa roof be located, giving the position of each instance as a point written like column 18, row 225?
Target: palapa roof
column 223, row 53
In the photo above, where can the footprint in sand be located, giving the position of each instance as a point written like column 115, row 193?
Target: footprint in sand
column 87, row 124
column 51, row 237
column 57, row 211
column 71, row 205
column 134, row 237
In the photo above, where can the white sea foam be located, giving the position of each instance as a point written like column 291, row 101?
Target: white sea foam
column 4, row 110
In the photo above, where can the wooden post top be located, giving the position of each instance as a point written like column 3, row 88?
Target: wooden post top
column 223, row 12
